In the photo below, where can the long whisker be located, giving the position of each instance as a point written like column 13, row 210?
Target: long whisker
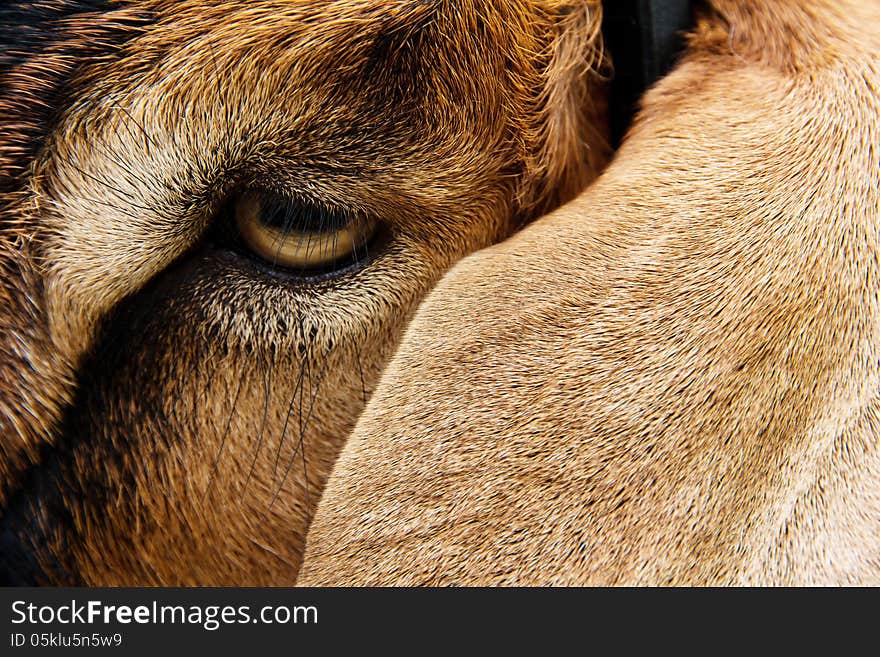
column 297, row 392
column 225, row 434
column 262, row 430
column 357, row 349
column 148, row 139
column 106, row 184
column 302, row 434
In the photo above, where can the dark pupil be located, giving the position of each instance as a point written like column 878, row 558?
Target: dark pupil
column 288, row 215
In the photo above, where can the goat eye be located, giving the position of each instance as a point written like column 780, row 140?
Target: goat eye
column 300, row 235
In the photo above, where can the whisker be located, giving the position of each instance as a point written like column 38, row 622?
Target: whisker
column 187, row 378
column 302, row 436
column 357, row 347
column 297, row 392
column 116, row 208
column 262, row 430
column 115, row 156
column 302, row 453
column 149, row 140
column 106, row 184
column 223, row 439
column 272, row 552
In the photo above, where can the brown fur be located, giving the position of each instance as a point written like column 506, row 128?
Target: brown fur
column 673, row 379
column 169, row 410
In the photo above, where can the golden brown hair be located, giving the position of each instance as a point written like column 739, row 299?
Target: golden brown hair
column 672, row 379
column 170, row 404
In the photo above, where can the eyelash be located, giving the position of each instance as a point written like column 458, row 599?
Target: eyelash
column 275, row 233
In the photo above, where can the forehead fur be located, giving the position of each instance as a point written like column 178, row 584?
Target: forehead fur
column 398, row 52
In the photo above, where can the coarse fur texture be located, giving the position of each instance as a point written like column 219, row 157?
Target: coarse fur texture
column 671, row 380
column 169, row 406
